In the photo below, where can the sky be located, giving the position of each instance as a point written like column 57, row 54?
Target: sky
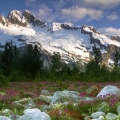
column 104, row 15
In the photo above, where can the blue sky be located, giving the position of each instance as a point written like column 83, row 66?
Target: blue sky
column 102, row 14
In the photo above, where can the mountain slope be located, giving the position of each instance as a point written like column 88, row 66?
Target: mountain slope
column 73, row 43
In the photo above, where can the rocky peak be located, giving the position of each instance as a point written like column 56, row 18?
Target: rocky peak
column 23, row 19
column 32, row 19
column 89, row 29
column 58, row 26
column 16, row 17
column 3, row 20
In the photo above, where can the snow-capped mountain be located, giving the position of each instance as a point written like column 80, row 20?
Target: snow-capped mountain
column 73, row 43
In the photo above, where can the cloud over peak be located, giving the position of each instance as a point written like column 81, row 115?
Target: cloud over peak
column 113, row 16
column 110, row 31
column 81, row 12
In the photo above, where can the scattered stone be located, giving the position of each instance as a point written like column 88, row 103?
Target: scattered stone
column 45, row 108
column 4, row 118
column 23, row 94
column 45, row 93
column 111, row 116
column 25, row 103
column 47, row 99
column 63, row 96
column 7, row 112
column 103, row 107
column 96, row 115
column 34, row 114
column 118, row 109
column 14, row 117
column 93, row 91
column 31, row 111
column 109, row 90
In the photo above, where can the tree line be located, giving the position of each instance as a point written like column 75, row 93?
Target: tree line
column 28, row 66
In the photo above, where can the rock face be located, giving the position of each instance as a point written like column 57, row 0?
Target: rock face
column 31, row 19
column 109, row 90
column 16, row 17
column 3, row 21
column 34, row 114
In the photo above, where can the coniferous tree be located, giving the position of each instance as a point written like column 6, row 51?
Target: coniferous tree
column 30, row 61
column 56, row 61
column 8, row 58
column 116, row 58
column 93, row 67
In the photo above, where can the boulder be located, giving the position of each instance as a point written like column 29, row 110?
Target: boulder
column 111, row 116
column 93, row 91
column 34, row 114
column 4, row 118
column 108, row 91
column 45, row 93
column 63, row 96
column 96, row 115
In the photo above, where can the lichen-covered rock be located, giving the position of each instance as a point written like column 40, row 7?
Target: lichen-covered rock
column 65, row 96
column 93, row 91
column 25, row 103
column 111, row 116
column 96, row 115
column 47, row 99
column 109, row 90
column 45, row 93
column 103, row 107
column 7, row 112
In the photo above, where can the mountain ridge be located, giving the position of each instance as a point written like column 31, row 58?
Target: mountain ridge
column 73, row 43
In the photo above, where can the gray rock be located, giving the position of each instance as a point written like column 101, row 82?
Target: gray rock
column 118, row 109
column 109, row 90
column 96, row 115
column 34, row 114
column 103, row 107
column 111, row 116
column 47, row 99
column 45, row 93
column 4, row 118
column 99, row 118
column 45, row 108
column 7, row 112
column 25, row 103
column 14, row 117
column 63, row 96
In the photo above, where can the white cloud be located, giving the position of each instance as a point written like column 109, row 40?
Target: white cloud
column 113, row 16
column 29, row 2
column 110, row 31
column 103, row 3
column 80, row 13
column 44, row 13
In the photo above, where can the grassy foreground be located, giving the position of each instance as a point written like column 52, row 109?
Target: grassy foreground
column 11, row 92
